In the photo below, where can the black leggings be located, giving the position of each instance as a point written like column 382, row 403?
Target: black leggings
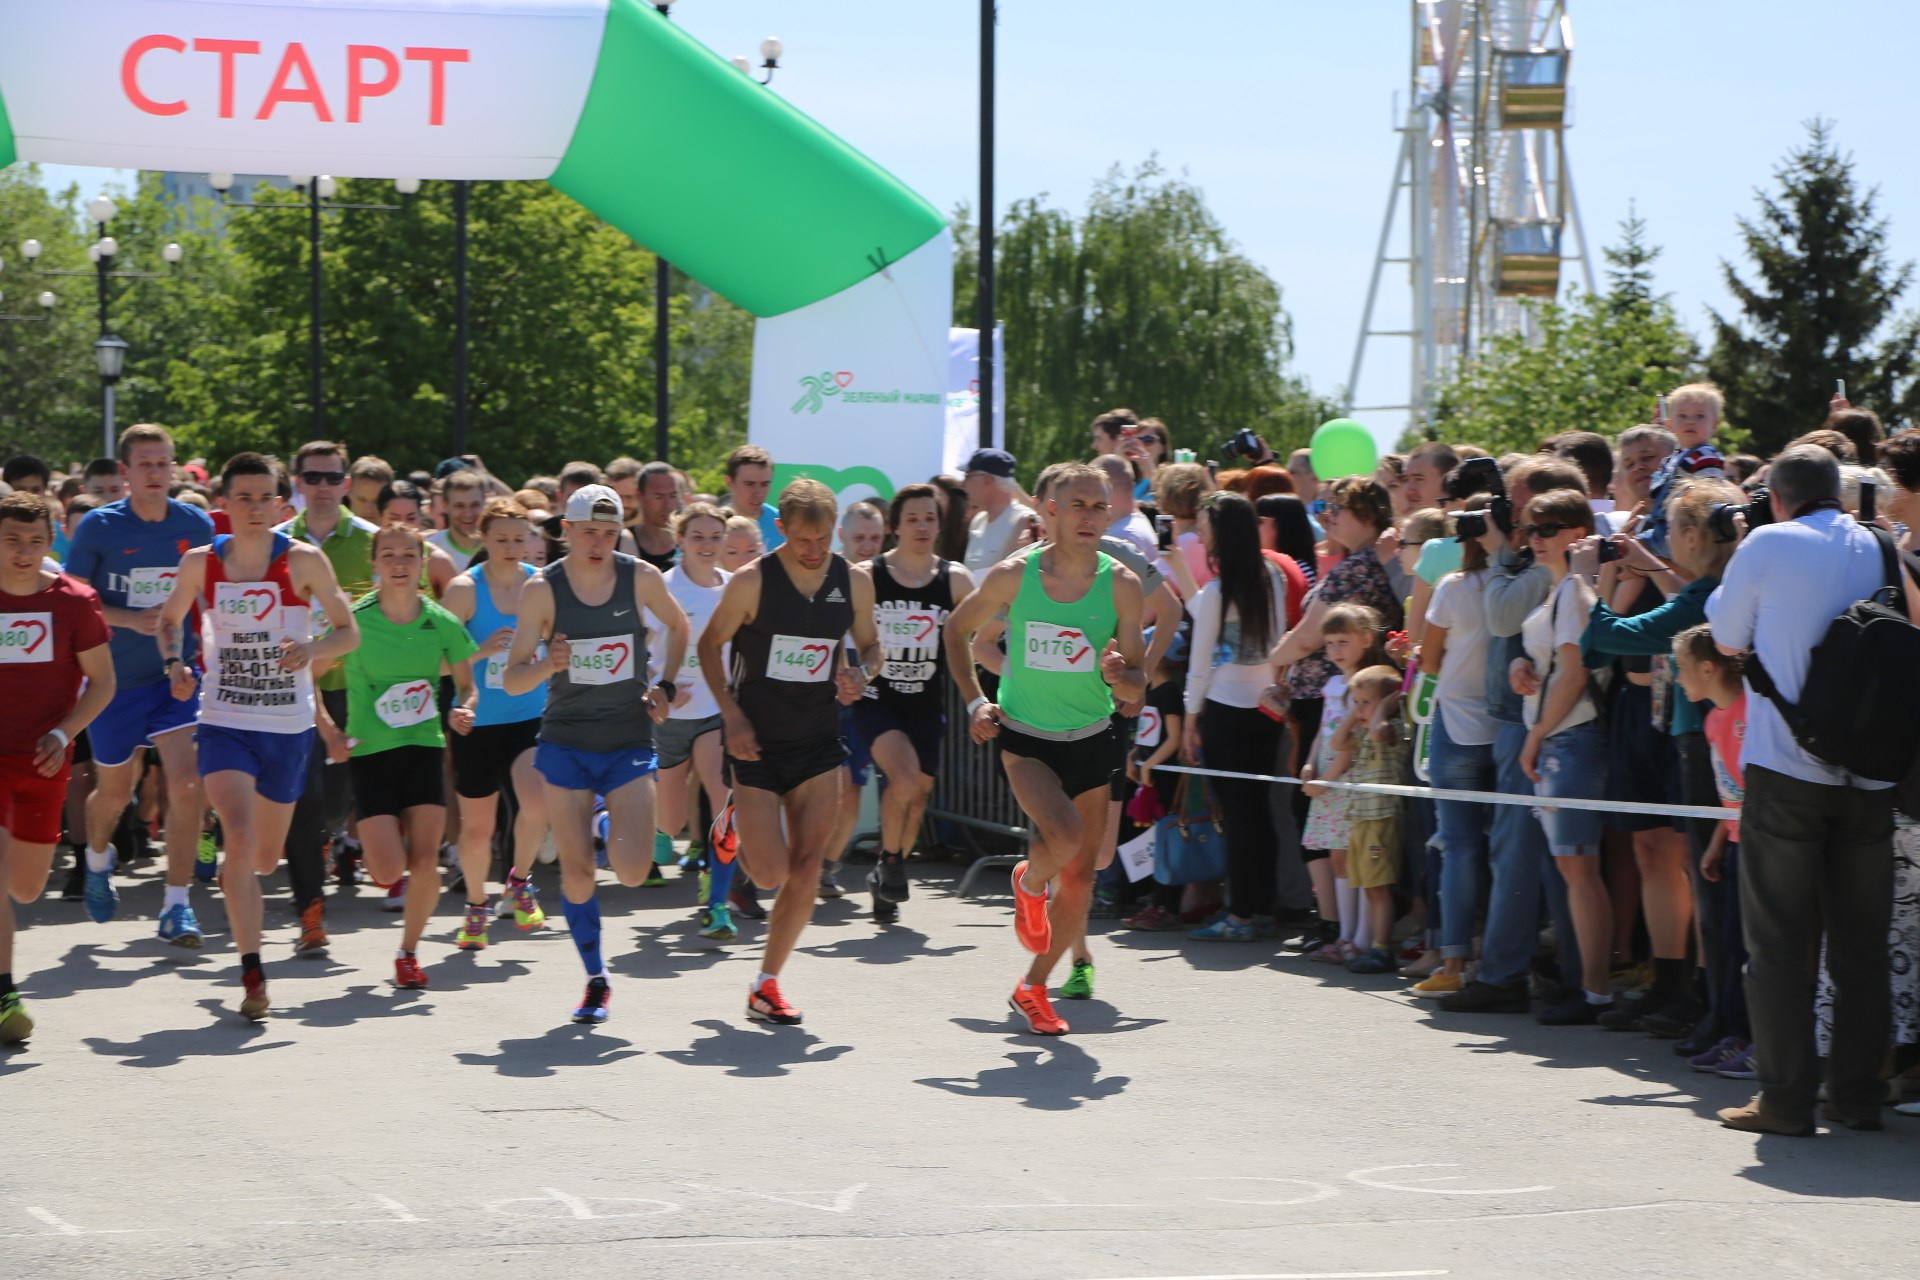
column 1244, row 740
column 321, row 811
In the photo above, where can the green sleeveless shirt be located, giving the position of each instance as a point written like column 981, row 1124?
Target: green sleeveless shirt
column 1053, row 687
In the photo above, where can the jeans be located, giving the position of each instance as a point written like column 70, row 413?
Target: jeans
column 1697, row 787
column 1463, row 834
column 1815, row 856
column 1244, row 740
column 1573, row 766
column 1519, row 863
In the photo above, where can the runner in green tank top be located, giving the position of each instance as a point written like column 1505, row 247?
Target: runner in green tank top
column 1074, row 643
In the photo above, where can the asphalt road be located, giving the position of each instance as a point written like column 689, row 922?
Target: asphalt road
column 1218, row 1111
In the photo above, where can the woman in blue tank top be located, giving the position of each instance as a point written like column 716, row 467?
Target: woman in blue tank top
column 498, row 750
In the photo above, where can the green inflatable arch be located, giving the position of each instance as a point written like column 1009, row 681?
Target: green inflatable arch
column 671, row 143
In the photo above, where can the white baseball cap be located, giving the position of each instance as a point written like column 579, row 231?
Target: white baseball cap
column 594, row 502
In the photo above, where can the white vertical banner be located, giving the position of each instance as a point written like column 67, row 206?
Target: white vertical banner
column 963, row 394
column 852, row 390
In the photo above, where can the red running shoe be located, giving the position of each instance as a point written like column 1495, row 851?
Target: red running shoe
column 1033, row 1005
column 408, row 973
column 766, row 1004
column 255, row 1005
column 724, row 839
column 1030, row 915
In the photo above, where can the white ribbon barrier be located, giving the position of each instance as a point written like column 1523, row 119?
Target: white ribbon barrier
column 1480, row 797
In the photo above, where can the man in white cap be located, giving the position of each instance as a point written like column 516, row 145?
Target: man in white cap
column 596, row 734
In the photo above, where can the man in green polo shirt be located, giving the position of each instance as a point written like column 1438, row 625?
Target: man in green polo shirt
column 320, row 478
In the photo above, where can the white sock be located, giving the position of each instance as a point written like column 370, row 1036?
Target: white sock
column 1361, row 931
column 98, row 859
column 1596, row 998
column 764, row 977
column 176, row 896
column 1344, row 897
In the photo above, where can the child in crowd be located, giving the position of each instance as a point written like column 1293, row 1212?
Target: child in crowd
column 1354, row 635
column 1156, row 742
column 1693, row 415
column 1707, row 675
column 1429, row 524
column 1371, row 737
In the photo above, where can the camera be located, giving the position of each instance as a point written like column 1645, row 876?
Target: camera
column 1244, row 444
column 1609, row 551
column 1469, row 525
column 1758, row 510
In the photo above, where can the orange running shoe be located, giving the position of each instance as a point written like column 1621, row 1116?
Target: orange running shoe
column 723, row 838
column 766, row 1004
column 407, row 972
column 254, row 1007
column 1030, row 915
column 1032, row 1004
column 313, row 931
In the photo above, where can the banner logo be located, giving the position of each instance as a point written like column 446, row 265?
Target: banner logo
column 814, row 390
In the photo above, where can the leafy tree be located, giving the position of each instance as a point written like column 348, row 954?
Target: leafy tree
column 1821, row 306
column 1595, row 362
column 1144, row 301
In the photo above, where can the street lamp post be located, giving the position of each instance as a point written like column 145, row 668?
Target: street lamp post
column 319, row 192
column 30, row 249
column 110, row 356
column 985, row 300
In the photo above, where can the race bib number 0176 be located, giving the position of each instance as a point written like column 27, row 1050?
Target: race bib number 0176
column 800, row 659
column 26, row 637
column 1052, row 647
column 605, row 660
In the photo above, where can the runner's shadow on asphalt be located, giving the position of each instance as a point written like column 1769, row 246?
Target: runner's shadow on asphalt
column 1208, row 957
column 892, row 944
column 359, row 1004
column 546, row 1055
column 464, row 969
column 14, row 1068
column 755, row 1053
column 1086, row 1017
column 227, row 1036
column 80, row 969
column 1060, row 1077
column 671, row 952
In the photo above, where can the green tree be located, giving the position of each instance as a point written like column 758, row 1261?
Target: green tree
column 1594, row 363
column 1144, row 301
column 1822, row 305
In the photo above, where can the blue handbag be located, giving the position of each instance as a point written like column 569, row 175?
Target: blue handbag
column 1189, row 845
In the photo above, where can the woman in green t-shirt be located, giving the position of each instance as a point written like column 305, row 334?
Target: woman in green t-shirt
column 398, row 742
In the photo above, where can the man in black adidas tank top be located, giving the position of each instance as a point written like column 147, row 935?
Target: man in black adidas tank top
column 785, row 615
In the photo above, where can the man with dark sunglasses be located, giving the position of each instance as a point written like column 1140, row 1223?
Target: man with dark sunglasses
column 320, row 477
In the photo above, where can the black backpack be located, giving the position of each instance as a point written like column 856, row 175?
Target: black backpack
column 1860, row 709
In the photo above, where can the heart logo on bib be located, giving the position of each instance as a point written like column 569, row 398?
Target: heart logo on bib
column 33, row 624
column 423, row 689
column 267, row 596
column 926, row 626
column 619, row 662
column 826, row 655
column 1079, row 653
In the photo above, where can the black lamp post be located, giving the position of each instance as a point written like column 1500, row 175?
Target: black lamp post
column 988, row 17
column 110, row 357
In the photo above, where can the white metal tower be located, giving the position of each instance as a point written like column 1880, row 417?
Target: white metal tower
column 1483, row 161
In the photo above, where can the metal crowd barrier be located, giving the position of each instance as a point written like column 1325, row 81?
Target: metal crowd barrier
column 972, row 807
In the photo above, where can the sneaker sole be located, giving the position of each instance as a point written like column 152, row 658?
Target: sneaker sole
column 190, row 941
column 1031, row 1029
column 255, row 1010
column 472, row 945
column 779, row 1019
column 310, row 948
column 590, row 1019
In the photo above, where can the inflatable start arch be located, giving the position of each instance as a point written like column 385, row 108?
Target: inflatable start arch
column 604, row 98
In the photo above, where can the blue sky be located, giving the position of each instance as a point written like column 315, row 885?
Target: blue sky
column 1281, row 111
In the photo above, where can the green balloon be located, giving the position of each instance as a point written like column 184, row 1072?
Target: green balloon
column 1343, row 447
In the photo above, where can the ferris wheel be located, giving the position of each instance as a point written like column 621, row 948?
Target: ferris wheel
column 1491, row 214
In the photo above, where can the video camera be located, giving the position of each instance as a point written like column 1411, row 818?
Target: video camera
column 1245, row 444
column 1469, row 526
column 1758, row 510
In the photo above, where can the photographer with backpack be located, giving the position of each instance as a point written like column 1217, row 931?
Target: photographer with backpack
column 1816, row 833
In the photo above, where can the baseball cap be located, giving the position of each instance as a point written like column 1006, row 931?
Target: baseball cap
column 994, row 462
column 594, row 502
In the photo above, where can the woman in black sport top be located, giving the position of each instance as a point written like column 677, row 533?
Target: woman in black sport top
column 903, row 714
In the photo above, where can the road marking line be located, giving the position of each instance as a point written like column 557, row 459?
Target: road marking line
column 1303, row 1275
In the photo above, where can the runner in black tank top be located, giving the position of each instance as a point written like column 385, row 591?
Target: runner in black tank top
column 903, row 715
column 785, row 616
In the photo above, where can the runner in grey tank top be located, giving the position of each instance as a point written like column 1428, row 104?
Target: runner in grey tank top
column 596, row 736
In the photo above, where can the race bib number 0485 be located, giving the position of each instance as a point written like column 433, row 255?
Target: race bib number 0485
column 800, row 659
column 605, row 660
column 1052, row 647
column 26, row 637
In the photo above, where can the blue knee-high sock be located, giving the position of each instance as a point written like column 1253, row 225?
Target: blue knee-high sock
column 583, row 922
column 719, row 880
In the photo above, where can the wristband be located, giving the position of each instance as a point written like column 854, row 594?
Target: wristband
column 975, row 705
column 166, row 664
column 61, row 734
column 667, row 687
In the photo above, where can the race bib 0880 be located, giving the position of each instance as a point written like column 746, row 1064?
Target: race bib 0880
column 604, row 660
column 1052, row 647
column 800, row 659
column 26, row 637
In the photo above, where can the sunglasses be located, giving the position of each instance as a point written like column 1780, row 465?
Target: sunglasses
column 323, row 477
column 1548, row 530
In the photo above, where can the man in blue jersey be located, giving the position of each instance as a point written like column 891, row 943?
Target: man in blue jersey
column 129, row 552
